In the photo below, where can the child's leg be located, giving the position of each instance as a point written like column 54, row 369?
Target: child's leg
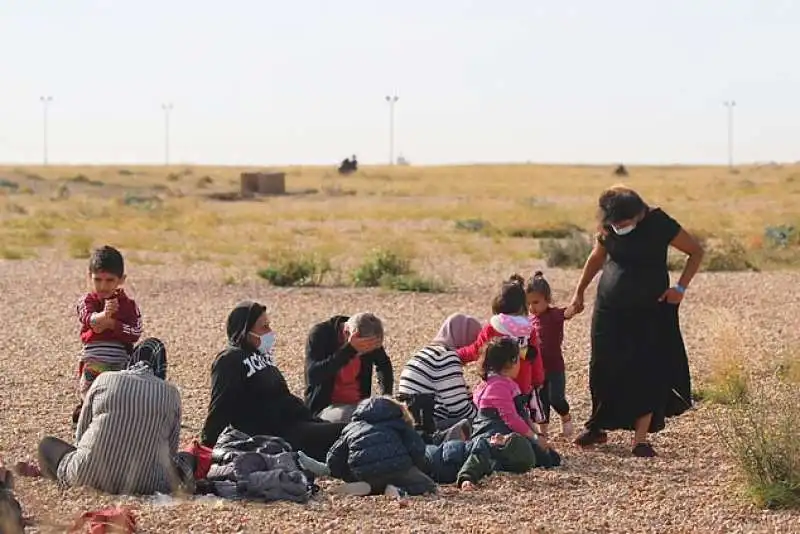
column 558, row 393
column 152, row 351
column 544, row 395
column 558, row 399
column 413, row 481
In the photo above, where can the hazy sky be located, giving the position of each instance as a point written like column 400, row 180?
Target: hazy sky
column 304, row 81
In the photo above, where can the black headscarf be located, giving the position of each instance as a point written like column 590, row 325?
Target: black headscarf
column 241, row 320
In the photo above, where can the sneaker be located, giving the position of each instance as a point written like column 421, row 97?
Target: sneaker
column 587, row 438
column 644, row 450
column 567, row 429
column 356, row 489
column 394, row 492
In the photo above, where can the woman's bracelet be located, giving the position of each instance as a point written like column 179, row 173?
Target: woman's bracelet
column 679, row 288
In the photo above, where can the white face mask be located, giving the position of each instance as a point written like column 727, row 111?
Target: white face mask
column 265, row 342
column 623, row 231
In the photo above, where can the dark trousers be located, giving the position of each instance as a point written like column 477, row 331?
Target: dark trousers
column 51, row 452
column 413, row 481
column 554, row 394
column 314, row 438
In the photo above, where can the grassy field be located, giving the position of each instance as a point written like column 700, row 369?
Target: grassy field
column 472, row 213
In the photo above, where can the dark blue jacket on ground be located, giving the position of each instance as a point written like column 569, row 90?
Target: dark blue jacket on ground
column 378, row 441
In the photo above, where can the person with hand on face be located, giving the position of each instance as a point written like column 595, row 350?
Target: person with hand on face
column 249, row 392
column 639, row 371
column 341, row 354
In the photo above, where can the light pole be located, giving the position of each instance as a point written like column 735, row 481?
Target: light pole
column 167, row 109
column 45, row 100
column 392, row 100
column 730, row 104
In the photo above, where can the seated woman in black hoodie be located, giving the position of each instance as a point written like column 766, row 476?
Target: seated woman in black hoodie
column 340, row 356
column 250, row 393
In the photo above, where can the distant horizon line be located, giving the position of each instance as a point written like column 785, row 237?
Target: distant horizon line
column 421, row 165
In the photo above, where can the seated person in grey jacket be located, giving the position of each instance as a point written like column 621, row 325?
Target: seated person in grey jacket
column 127, row 436
column 467, row 462
column 380, row 452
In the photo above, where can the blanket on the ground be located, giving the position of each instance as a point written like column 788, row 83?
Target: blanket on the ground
column 262, row 468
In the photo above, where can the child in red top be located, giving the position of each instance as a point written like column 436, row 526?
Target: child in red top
column 511, row 319
column 110, row 325
column 548, row 323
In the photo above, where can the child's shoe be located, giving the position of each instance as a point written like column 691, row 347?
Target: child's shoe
column 356, row 489
column 393, row 492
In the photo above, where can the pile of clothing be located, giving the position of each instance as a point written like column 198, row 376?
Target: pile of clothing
column 262, row 468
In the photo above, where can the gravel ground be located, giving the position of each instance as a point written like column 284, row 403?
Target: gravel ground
column 691, row 487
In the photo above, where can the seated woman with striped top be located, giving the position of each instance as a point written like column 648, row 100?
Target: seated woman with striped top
column 435, row 375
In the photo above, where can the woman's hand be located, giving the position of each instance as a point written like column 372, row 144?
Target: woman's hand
column 672, row 296
column 575, row 307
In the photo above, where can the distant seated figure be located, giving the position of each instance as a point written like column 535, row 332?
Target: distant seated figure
column 621, row 170
column 348, row 165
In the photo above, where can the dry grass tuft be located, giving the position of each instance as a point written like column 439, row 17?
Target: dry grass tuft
column 727, row 382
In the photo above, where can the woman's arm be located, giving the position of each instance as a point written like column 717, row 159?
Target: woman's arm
column 594, row 263
column 686, row 243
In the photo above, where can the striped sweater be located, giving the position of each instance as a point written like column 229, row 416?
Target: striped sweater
column 438, row 370
column 127, row 434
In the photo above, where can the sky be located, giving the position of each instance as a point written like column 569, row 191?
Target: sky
column 268, row 82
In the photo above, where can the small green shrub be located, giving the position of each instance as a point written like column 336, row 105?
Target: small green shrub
column 781, row 236
column 296, row 271
column 144, row 203
column 11, row 254
column 8, row 184
column 569, row 252
column 564, row 231
column 379, row 264
column 83, row 179
column 412, row 283
column 472, row 225
column 173, row 177
column 79, row 246
column 729, row 256
column 126, row 172
column 204, row 182
column 762, row 439
column 730, row 390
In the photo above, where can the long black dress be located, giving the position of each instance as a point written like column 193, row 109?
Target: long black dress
column 639, row 363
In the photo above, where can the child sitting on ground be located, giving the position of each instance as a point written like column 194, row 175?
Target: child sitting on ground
column 380, row 452
column 467, row 462
column 511, row 320
column 110, row 324
column 501, row 405
column 548, row 324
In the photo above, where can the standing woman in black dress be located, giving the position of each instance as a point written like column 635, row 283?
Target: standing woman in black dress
column 639, row 371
